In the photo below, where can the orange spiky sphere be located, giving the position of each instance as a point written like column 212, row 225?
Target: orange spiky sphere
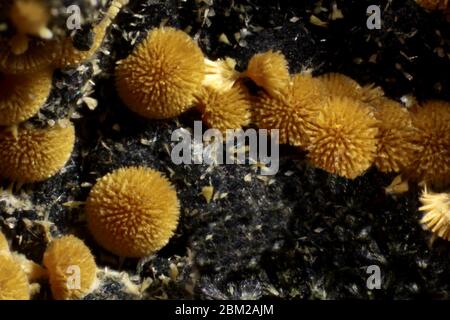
column 133, row 212
column 71, row 268
column 343, row 137
column 160, row 77
column 22, row 96
column 224, row 110
column 395, row 131
column 35, row 154
column 290, row 113
column 431, row 159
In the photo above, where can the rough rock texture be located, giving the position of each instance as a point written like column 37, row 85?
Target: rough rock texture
column 302, row 234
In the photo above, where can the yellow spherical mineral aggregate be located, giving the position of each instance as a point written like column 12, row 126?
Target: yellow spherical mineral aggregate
column 431, row 158
column 71, row 268
column 132, row 212
column 159, row 79
column 395, row 130
column 23, row 95
column 292, row 112
column 224, row 110
column 343, row 138
column 35, row 154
